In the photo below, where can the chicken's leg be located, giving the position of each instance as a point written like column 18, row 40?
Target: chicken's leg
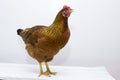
column 41, row 71
column 48, row 69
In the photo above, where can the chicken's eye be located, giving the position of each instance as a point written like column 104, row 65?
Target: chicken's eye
column 67, row 11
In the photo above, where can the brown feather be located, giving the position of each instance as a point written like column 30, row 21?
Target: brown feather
column 43, row 42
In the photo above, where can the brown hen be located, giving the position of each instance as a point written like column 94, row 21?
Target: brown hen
column 44, row 42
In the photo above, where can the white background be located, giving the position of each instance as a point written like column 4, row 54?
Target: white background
column 94, row 25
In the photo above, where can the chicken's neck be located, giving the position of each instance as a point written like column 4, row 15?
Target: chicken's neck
column 60, row 18
column 59, row 23
column 59, row 26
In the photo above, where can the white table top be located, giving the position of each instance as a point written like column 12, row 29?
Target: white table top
column 10, row 71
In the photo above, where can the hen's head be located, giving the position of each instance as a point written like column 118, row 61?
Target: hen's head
column 66, row 11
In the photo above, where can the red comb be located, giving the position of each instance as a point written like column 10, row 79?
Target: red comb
column 65, row 6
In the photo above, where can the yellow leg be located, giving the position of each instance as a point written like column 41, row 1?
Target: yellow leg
column 41, row 71
column 48, row 69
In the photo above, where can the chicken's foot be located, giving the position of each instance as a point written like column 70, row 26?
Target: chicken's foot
column 43, row 73
column 48, row 69
column 48, row 72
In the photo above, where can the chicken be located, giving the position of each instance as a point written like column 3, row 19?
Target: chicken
column 44, row 42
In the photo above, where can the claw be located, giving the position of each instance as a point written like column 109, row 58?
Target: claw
column 45, row 74
column 53, row 73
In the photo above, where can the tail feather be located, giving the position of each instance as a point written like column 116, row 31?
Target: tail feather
column 19, row 31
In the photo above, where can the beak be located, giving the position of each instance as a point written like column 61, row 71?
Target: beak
column 71, row 10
